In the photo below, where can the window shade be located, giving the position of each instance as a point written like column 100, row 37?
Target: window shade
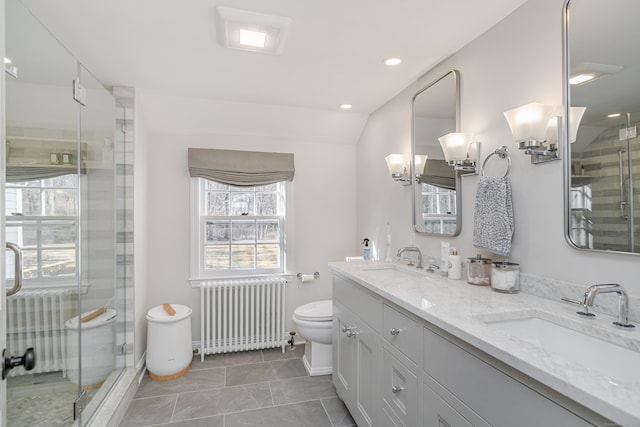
column 440, row 174
column 241, row 168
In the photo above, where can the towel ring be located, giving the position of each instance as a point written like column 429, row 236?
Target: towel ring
column 503, row 153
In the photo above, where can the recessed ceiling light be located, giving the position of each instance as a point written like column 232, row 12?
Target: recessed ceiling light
column 346, row 106
column 252, row 38
column 392, row 61
column 245, row 30
column 611, row 116
column 580, row 78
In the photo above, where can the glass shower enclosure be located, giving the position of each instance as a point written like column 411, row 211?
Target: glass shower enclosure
column 60, row 224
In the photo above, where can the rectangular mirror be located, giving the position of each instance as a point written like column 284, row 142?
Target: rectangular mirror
column 436, row 189
column 602, row 167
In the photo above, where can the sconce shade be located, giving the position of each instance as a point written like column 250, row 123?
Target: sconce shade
column 575, row 117
column 420, row 163
column 528, row 123
column 455, row 146
column 397, row 165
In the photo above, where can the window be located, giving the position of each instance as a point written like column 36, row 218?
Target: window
column 41, row 218
column 438, row 209
column 238, row 230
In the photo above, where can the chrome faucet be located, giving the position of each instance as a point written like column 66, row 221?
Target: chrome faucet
column 412, row 249
column 623, row 304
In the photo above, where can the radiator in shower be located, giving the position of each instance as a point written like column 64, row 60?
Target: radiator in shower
column 35, row 318
column 242, row 314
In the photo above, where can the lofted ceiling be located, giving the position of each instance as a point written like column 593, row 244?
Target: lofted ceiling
column 333, row 55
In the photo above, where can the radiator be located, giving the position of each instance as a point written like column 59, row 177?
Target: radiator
column 35, row 318
column 242, row 314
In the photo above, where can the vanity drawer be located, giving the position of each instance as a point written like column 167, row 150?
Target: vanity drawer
column 402, row 332
column 359, row 301
column 399, row 390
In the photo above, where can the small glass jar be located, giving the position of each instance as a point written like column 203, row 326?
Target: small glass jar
column 505, row 277
column 479, row 271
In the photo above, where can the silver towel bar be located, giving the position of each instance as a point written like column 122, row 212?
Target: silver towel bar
column 503, row 153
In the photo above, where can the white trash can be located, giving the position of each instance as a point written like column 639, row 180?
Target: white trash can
column 169, row 351
column 98, row 348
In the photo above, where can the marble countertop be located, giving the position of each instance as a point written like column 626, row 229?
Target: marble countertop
column 463, row 310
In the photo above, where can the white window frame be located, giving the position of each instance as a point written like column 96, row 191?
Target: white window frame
column 198, row 223
column 37, row 222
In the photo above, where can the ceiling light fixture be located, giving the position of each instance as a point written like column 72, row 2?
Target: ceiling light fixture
column 346, row 106
column 392, row 61
column 613, row 115
column 256, row 32
column 253, row 38
column 7, row 60
column 591, row 71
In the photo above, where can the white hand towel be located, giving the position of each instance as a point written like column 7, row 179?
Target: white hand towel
column 493, row 223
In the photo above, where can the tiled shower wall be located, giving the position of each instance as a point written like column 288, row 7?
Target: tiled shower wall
column 123, row 152
column 602, row 216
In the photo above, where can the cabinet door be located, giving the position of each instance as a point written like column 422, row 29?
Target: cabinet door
column 368, row 377
column 399, row 389
column 344, row 356
column 438, row 413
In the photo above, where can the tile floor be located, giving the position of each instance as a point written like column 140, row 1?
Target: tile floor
column 258, row 388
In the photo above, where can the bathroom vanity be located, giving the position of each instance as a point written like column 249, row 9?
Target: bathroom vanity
column 416, row 349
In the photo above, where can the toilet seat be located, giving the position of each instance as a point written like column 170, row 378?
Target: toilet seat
column 317, row 311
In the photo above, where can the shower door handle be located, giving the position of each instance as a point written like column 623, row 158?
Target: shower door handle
column 9, row 362
column 17, row 284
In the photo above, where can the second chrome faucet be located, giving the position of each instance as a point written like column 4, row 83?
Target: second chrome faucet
column 623, row 302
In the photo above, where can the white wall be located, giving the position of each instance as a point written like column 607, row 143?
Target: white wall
column 323, row 212
column 516, row 62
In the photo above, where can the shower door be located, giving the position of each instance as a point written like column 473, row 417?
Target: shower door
column 59, row 217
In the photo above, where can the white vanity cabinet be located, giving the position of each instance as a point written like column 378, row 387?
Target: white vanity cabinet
column 393, row 368
column 357, row 351
column 492, row 392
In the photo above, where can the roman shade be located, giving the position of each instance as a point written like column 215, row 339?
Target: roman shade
column 32, row 173
column 440, row 174
column 241, row 168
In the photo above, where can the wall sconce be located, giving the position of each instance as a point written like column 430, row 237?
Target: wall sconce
column 528, row 125
column 460, row 151
column 420, row 164
column 400, row 166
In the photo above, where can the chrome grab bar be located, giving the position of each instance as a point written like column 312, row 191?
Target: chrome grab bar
column 17, row 285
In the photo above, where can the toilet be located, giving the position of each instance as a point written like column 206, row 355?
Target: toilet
column 314, row 322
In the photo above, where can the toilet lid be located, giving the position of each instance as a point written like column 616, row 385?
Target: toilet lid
column 315, row 311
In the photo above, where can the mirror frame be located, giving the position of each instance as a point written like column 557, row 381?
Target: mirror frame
column 414, row 186
column 566, row 92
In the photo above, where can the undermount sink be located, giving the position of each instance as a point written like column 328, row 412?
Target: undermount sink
column 570, row 346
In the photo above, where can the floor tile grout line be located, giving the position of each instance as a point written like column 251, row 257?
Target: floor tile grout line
column 326, row 412
column 175, row 405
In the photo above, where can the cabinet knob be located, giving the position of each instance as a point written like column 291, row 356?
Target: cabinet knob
column 396, row 389
column 351, row 333
column 395, row 331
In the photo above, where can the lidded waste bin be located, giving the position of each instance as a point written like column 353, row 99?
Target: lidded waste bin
column 169, row 351
column 98, row 348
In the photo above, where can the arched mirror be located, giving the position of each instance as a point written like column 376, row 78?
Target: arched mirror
column 436, row 189
column 602, row 81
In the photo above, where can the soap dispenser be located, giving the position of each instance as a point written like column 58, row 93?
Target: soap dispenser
column 366, row 250
column 455, row 265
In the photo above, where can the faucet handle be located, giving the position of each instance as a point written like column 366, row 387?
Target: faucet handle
column 585, row 312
